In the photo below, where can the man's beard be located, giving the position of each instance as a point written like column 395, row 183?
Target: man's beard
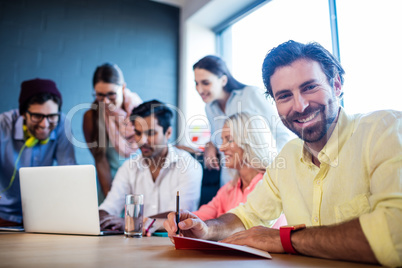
column 33, row 130
column 317, row 131
column 149, row 151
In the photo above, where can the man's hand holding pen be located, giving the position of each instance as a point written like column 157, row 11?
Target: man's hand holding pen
column 190, row 225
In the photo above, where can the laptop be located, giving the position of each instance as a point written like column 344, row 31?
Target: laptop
column 60, row 200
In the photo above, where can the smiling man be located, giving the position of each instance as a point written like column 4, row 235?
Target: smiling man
column 33, row 135
column 340, row 188
column 158, row 173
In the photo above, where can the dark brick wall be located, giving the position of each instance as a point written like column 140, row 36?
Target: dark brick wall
column 64, row 40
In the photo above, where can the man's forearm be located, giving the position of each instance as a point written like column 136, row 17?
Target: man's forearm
column 345, row 241
column 224, row 226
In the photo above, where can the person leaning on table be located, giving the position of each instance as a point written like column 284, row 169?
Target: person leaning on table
column 33, row 135
column 106, row 125
column 341, row 178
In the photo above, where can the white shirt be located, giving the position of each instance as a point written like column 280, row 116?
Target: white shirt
column 180, row 172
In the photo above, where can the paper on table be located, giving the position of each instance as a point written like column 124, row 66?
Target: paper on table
column 193, row 243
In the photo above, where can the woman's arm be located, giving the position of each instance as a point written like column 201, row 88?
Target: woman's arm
column 101, row 162
column 103, row 172
column 211, row 160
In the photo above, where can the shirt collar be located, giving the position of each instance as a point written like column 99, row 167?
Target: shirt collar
column 234, row 92
column 18, row 131
column 252, row 183
column 255, row 180
column 171, row 157
column 329, row 154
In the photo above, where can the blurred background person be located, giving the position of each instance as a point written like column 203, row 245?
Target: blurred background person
column 249, row 152
column 107, row 127
column 158, row 172
column 225, row 96
column 33, row 135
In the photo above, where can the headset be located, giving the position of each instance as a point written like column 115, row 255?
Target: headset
column 30, row 142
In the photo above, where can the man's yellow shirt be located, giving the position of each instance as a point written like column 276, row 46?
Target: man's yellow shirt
column 360, row 175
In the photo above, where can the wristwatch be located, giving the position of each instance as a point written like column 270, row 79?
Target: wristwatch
column 285, row 232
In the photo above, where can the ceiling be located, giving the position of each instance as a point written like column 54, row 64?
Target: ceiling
column 177, row 3
column 209, row 13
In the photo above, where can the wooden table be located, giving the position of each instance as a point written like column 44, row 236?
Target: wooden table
column 47, row 250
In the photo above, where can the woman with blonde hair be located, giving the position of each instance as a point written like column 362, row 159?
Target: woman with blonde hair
column 249, row 148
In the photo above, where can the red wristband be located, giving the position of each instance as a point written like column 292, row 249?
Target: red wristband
column 285, row 232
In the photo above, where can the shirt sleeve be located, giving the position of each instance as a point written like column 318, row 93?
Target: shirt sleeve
column 212, row 208
column 5, row 131
column 114, row 201
column 65, row 150
column 210, row 116
column 382, row 226
column 190, row 183
column 216, row 121
column 256, row 101
column 263, row 205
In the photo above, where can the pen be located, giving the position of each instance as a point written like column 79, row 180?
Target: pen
column 149, row 227
column 178, row 211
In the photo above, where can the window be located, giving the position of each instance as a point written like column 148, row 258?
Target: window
column 369, row 44
column 272, row 24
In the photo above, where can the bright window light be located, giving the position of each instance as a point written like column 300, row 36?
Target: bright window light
column 371, row 53
column 369, row 40
column 272, row 24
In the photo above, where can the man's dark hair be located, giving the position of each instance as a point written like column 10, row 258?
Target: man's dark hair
column 158, row 109
column 287, row 53
column 40, row 98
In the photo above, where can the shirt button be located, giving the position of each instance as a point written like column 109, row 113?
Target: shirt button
column 318, row 182
column 315, row 219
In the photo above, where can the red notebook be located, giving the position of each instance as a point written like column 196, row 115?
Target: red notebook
column 193, row 243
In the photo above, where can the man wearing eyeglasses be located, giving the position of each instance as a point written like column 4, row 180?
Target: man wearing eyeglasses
column 30, row 136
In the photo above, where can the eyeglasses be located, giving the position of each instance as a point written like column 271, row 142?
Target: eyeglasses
column 51, row 118
column 100, row 96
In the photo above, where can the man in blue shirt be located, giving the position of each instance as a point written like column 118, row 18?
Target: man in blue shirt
column 31, row 136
